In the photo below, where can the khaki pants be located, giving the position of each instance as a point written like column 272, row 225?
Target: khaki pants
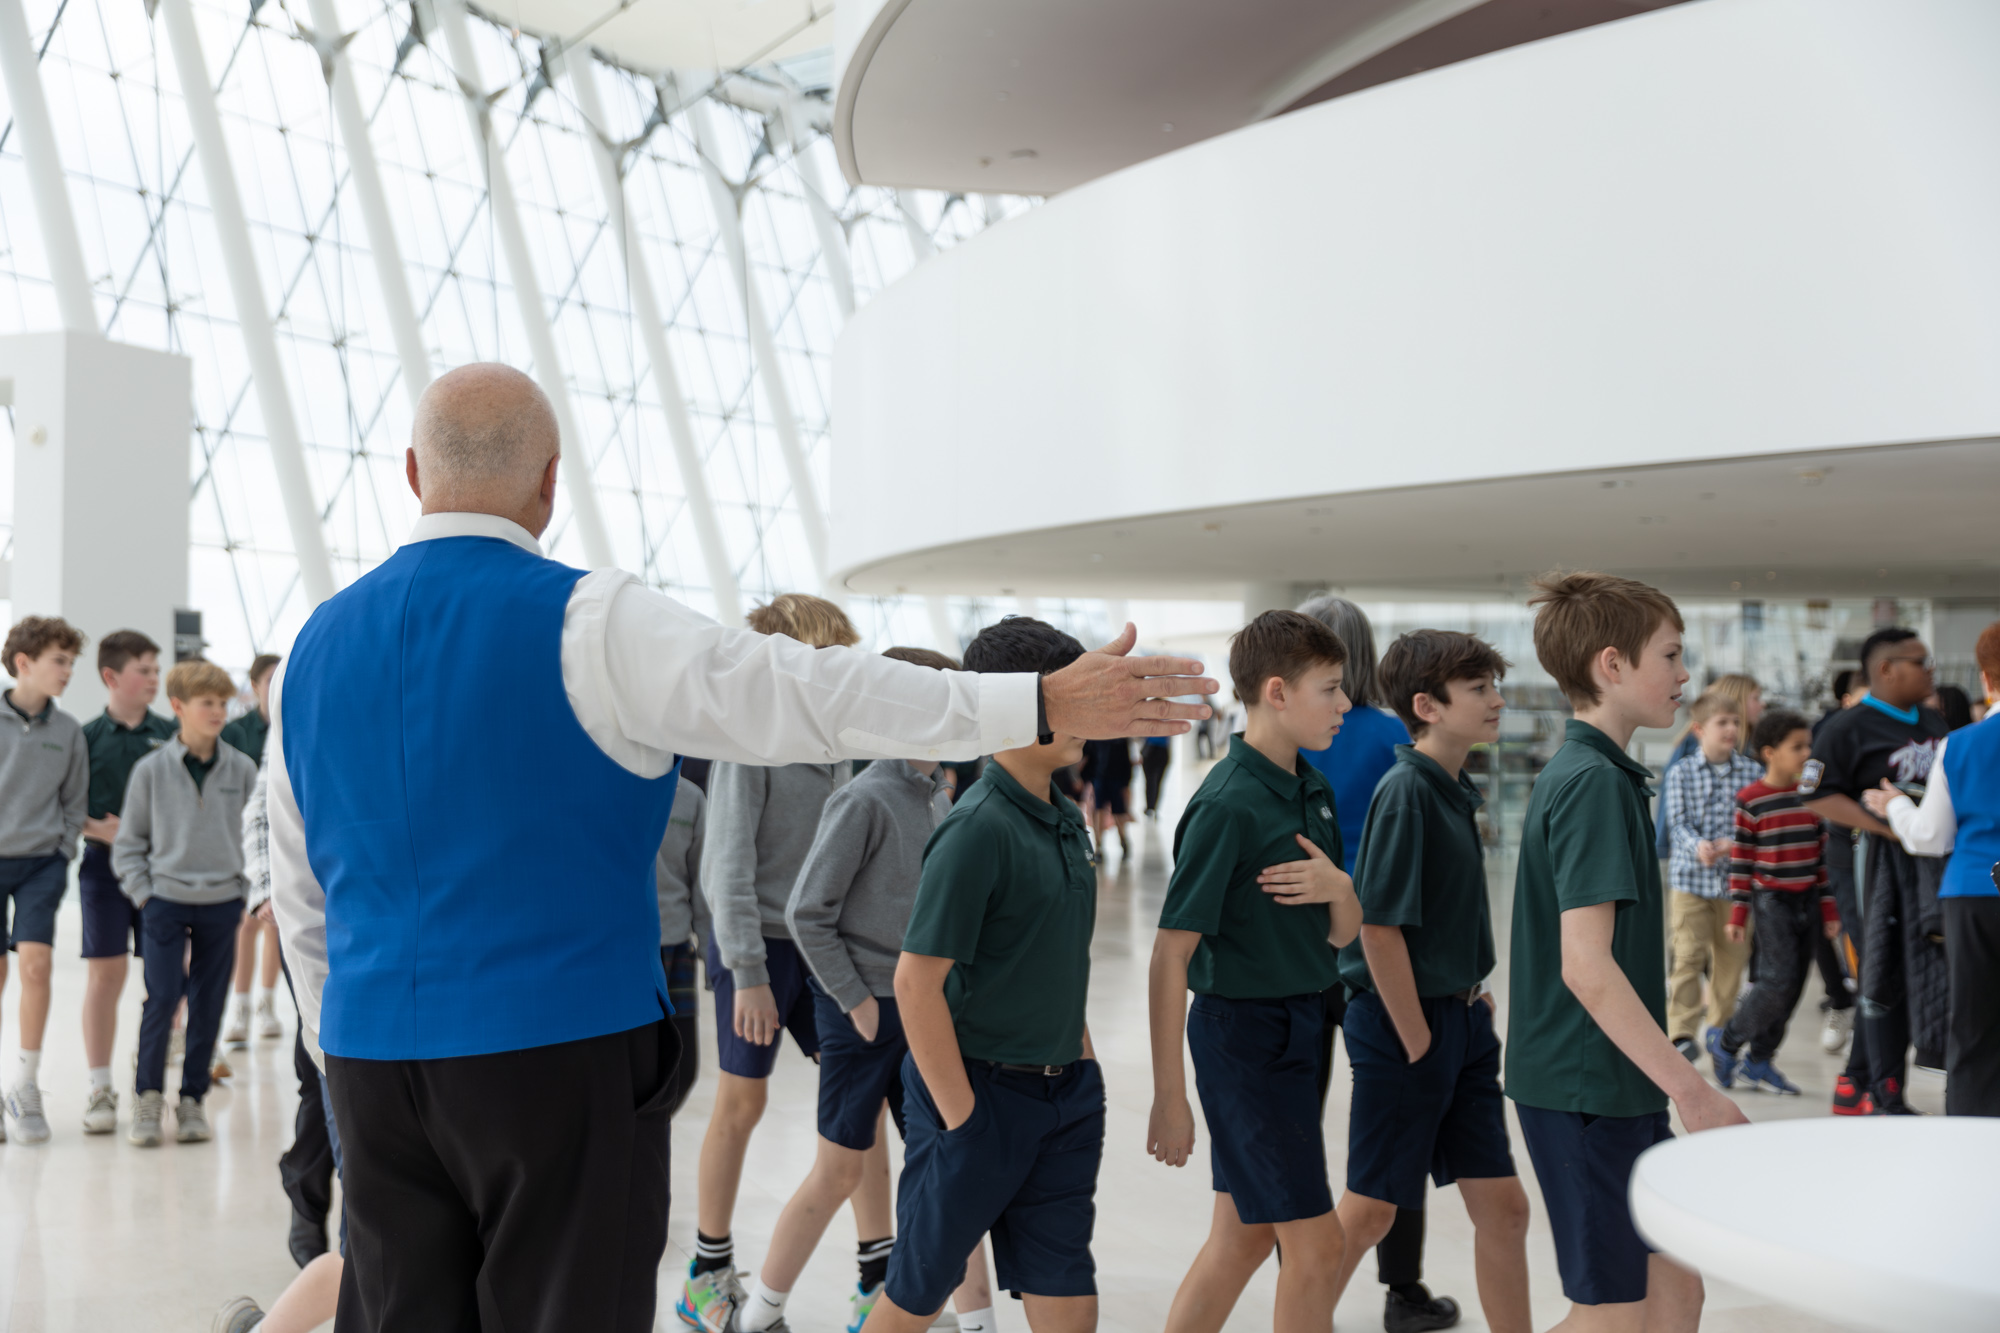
column 1698, row 942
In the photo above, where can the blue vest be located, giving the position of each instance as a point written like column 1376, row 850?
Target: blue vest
column 1972, row 773
column 488, row 869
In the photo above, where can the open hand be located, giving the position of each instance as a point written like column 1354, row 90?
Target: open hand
column 756, row 1019
column 1170, row 1131
column 1106, row 695
column 1314, row 880
column 1878, row 800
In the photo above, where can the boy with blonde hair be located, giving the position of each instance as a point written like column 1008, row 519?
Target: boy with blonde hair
column 1589, row 1065
column 179, row 858
column 1700, row 817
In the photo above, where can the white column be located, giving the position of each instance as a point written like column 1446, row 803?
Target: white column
column 582, row 72
column 921, row 244
column 45, row 172
column 832, row 237
column 367, row 178
column 763, row 347
column 942, row 629
column 260, row 343
column 527, row 289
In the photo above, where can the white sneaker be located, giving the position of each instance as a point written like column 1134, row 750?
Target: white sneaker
column 268, row 1025
column 191, row 1122
column 101, row 1116
column 241, row 1315
column 147, row 1112
column 237, row 1034
column 24, row 1103
column 1839, row 1030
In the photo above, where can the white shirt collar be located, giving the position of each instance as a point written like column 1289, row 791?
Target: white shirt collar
column 465, row 524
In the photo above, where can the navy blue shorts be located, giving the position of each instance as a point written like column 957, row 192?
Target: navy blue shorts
column 110, row 922
column 1584, row 1163
column 1256, row 1069
column 856, row 1076
column 1023, row 1167
column 34, row 886
column 795, row 1010
column 1444, row 1115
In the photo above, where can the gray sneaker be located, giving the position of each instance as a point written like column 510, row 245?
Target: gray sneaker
column 239, row 1316
column 101, row 1116
column 147, row 1112
column 191, row 1122
column 24, row 1103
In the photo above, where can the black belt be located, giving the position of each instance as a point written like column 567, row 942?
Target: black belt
column 1470, row 995
column 1045, row 1071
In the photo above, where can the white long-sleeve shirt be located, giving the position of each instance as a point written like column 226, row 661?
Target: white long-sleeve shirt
column 1931, row 828
column 650, row 679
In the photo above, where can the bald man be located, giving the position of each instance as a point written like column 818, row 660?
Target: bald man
column 472, row 760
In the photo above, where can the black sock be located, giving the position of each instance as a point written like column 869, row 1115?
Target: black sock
column 1416, row 1293
column 873, row 1257
column 712, row 1253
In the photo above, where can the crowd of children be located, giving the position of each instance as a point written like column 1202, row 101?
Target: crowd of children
column 926, row 942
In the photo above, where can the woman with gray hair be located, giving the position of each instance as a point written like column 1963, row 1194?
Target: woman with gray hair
column 1362, row 751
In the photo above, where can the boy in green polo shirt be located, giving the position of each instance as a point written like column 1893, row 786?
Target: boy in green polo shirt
column 1420, row 1035
column 1003, row 1100
column 1255, row 910
column 1589, row 1066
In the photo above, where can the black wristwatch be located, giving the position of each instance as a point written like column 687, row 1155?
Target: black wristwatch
column 1043, row 736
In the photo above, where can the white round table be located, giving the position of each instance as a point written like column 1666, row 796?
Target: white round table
column 1889, row 1222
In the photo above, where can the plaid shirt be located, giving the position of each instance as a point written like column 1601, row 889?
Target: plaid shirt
column 1701, row 805
column 257, row 844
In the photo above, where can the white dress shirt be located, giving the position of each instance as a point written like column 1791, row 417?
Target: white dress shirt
column 650, row 679
column 1931, row 828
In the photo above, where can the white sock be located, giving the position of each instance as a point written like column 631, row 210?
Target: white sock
column 31, row 1065
column 100, row 1077
column 266, row 997
column 764, row 1308
column 239, row 1002
column 977, row 1321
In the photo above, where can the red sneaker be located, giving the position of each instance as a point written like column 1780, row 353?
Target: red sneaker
column 1850, row 1100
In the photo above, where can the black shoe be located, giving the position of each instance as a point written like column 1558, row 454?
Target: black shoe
column 1400, row 1315
column 1689, row 1048
column 1889, row 1099
column 308, row 1238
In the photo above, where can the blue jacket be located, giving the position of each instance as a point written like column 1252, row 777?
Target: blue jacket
column 1972, row 777
column 1363, row 750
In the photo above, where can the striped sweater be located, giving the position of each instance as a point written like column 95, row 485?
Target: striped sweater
column 1779, row 847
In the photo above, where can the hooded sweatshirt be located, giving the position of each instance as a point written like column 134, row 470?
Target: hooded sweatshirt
column 181, row 842
column 760, row 826
column 44, row 781
column 852, row 901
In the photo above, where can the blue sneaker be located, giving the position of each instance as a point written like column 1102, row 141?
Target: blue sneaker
column 864, row 1302
column 1764, row 1076
column 1725, row 1063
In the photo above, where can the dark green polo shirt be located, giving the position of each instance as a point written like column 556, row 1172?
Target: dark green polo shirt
column 1588, row 839
column 1242, row 822
column 1009, row 894
column 1421, row 867
column 247, row 734
column 114, row 749
column 199, row 769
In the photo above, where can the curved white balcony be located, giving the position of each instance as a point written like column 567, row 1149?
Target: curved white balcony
column 1710, row 296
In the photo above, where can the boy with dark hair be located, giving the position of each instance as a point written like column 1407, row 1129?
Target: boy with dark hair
column 1589, row 1066
column 1700, row 813
column 1002, row 1097
column 247, row 734
column 179, row 858
column 848, row 912
column 1777, row 859
column 1255, row 910
column 124, row 733
column 1888, row 735
column 1419, row 1028
column 44, row 800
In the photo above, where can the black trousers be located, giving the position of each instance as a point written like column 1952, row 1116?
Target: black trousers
column 1399, row 1259
column 1786, row 926
column 522, row 1192
column 1972, row 1047
column 306, row 1168
column 1153, row 761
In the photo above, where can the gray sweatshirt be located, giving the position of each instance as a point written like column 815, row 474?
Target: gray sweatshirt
column 180, row 842
column 44, row 782
column 677, row 869
column 761, row 823
column 851, row 903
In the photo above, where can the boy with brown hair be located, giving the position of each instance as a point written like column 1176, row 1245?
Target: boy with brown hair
column 1256, row 909
column 124, row 733
column 44, row 796
column 1590, row 1068
column 1420, row 1032
column 1700, row 811
column 179, row 858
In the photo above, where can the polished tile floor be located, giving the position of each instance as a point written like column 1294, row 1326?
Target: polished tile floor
column 96, row 1234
